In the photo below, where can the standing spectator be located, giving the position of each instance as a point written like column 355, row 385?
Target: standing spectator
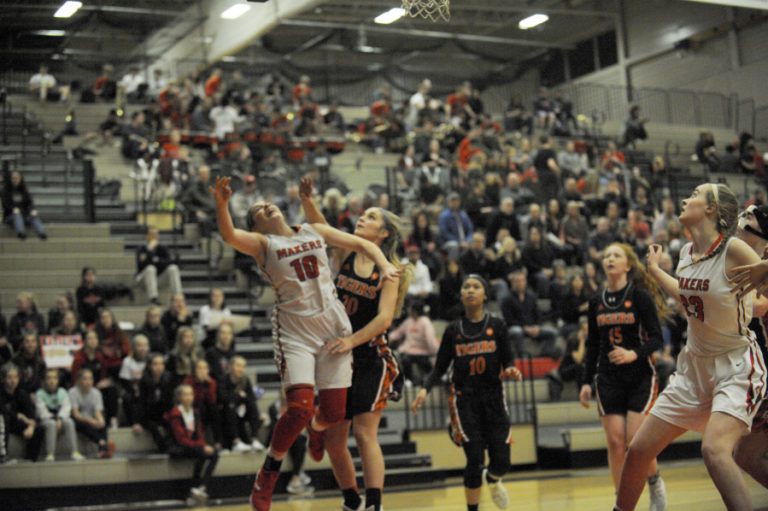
column 706, row 152
column 176, row 316
column 64, row 303
column 225, row 119
column 547, row 170
column 54, row 411
column 198, row 202
column 455, row 228
column 634, row 128
column 88, row 413
column 211, row 316
column 204, row 388
column 155, row 266
column 517, row 117
column 130, row 375
column 522, row 314
column 301, row 90
column 421, row 283
column 213, row 83
column 181, row 361
column 538, row 257
column 19, row 412
column 419, row 345
column 18, row 207
column 30, row 363
column 153, row 330
column 240, row 412
column 155, row 399
column 188, row 442
column 26, row 319
column 417, row 103
column 220, row 354
column 43, row 84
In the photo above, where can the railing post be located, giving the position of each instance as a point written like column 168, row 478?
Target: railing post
column 89, row 175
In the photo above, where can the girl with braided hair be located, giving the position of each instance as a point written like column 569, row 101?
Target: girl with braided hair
column 624, row 331
column 720, row 376
column 376, row 375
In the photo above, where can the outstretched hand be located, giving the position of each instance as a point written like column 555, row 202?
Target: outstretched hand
column 749, row 277
column 655, row 252
column 222, row 192
column 305, row 188
column 513, row 373
column 390, row 273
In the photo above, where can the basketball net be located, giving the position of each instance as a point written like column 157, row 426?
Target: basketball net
column 428, row 9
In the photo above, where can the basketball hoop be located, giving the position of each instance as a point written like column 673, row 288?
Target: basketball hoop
column 428, row 9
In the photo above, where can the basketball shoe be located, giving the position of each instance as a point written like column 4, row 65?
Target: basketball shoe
column 658, row 494
column 499, row 494
column 261, row 495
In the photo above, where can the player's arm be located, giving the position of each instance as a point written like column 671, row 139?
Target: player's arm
column 444, row 359
column 667, row 282
column 506, row 357
column 745, row 268
column 315, row 216
column 251, row 243
column 347, row 241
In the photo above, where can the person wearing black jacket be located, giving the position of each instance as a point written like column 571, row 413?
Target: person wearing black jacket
column 521, row 312
column 91, row 298
column 153, row 263
column 241, row 417
column 26, row 319
column 20, row 412
column 477, row 348
column 219, row 355
column 175, row 317
column 154, row 331
column 155, row 399
column 18, row 207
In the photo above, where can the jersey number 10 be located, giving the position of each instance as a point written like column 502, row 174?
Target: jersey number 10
column 306, row 267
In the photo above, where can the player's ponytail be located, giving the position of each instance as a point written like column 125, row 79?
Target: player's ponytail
column 639, row 276
column 392, row 223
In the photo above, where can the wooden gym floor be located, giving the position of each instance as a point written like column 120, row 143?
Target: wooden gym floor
column 688, row 488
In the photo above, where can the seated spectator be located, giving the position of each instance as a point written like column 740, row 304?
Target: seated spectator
column 575, row 234
column 477, row 258
column 455, row 228
column 176, row 316
column 187, row 441
column 30, row 363
column 508, row 261
column 198, row 202
column 729, row 162
column 135, row 142
column 19, row 413
column 478, row 205
column 114, row 347
column 351, row 214
column 105, row 86
column 219, row 355
column 524, row 319
column 69, row 325
column 575, row 303
column 64, row 303
column 155, row 399
column 544, row 109
column 224, row 118
column 449, row 292
column 419, row 345
column 54, row 411
column 182, row 359
column 213, row 83
column 634, row 128
column 18, row 206
column 564, row 117
column 599, row 239
column 154, row 265
column 211, row 316
column 570, row 367
column 706, row 152
column 537, row 257
column 613, row 157
column 89, row 357
column 504, row 218
column 422, row 236
column 88, row 413
column 290, row 205
column 204, row 388
column 91, row 298
column 592, row 277
column 132, row 86
column 517, row 117
column 333, row 118
column 130, row 375
column 26, row 319
column 558, row 287
column 240, row 412
column 571, row 162
column 153, row 330
column 6, row 350
column 243, row 199
column 421, row 282
column 43, row 85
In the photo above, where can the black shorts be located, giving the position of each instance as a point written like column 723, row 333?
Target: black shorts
column 616, row 396
column 375, row 379
column 478, row 416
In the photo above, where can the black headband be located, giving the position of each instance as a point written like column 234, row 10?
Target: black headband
column 761, row 214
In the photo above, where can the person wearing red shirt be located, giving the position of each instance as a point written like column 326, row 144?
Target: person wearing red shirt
column 204, row 388
column 213, row 83
column 301, row 90
column 173, row 146
column 188, row 442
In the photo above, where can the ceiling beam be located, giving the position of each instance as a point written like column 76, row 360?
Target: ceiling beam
column 435, row 34
column 506, row 7
column 749, row 4
column 120, row 9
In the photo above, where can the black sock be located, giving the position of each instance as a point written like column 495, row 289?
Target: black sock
column 373, row 498
column 473, row 507
column 653, row 478
column 351, row 498
column 272, row 465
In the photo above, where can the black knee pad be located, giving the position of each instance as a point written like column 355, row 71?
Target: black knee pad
column 473, row 475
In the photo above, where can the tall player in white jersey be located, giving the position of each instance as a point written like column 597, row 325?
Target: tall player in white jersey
column 306, row 316
column 720, row 376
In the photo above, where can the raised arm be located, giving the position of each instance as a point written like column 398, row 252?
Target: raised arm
column 311, row 211
column 344, row 240
column 251, row 243
column 667, row 282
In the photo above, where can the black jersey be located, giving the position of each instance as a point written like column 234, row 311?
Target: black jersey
column 479, row 351
column 360, row 296
column 625, row 318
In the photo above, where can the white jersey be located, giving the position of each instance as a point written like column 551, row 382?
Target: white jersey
column 298, row 269
column 717, row 320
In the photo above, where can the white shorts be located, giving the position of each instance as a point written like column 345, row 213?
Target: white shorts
column 731, row 383
column 299, row 353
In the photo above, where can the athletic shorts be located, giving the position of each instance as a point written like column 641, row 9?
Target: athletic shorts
column 299, row 353
column 617, row 397
column 374, row 380
column 731, row 383
column 478, row 416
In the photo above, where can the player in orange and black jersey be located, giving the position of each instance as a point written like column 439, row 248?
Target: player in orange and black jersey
column 478, row 350
column 624, row 331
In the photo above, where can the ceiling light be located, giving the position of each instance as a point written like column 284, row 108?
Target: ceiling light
column 235, row 11
column 50, row 33
column 392, row 15
column 67, row 9
column 532, row 21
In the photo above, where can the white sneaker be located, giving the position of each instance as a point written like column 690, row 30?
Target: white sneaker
column 658, row 495
column 296, row 487
column 50, row 457
column 257, row 446
column 241, row 447
column 361, row 507
column 499, row 494
column 199, row 494
column 305, row 478
column 76, row 456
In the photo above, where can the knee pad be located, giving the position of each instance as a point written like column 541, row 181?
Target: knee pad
column 473, row 475
column 300, row 403
column 300, row 407
column 333, row 406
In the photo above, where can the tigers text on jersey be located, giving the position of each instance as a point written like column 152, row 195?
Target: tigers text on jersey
column 717, row 319
column 298, row 269
column 360, row 295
